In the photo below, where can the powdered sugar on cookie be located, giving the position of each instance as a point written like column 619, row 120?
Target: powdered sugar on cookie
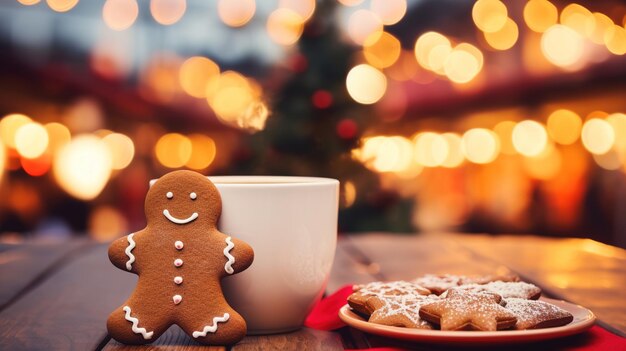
column 537, row 314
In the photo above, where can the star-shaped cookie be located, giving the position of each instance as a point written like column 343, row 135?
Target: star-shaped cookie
column 400, row 311
column 462, row 310
column 537, row 314
column 396, row 288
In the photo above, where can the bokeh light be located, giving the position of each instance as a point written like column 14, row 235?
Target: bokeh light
column 529, row 138
column 120, row 14
column 350, row 2
column 365, row 84
column 505, row 37
column 578, row 18
column 349, row 193
column 387, row 153
column 364, row 24
column 461, row 65
column 3, row 157
column 389, row 11
column 9, row 125
column 31, row 140
column 195, row 73
column 37, row 167
column 173, row 150
column 615, row 40
column 58, row 135
column 203, row 151
column 504, row 131
column 28, row 2
column 602, row 24
column 235, row 100
column 489, row 15
column 540, row 15
column 610, row 160
column 167, row 12
column 597, row 136
column 564, row 126
column 562, row 46
column 122, row 149
column 106, row 223
column 544, row 166
column 304, row 8
column 480, row 145
column 83, row 167
column 285, row 26
column 382, row 50
column 618, row 122
column 425, row 44
column 454, row 158
column 431, row 149
column 62, row 5
column 236, row 13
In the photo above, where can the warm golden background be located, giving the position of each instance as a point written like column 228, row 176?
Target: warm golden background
column 436, row 115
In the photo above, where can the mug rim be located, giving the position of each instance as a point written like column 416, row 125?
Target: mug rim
column 270, row 181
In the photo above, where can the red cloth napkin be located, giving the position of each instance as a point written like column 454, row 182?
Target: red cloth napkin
column 325, row 316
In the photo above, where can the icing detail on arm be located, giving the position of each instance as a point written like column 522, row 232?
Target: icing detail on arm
column 173, row 219
column 146, row 334
column 211, row 328
column 129, row 248
column 228, row 267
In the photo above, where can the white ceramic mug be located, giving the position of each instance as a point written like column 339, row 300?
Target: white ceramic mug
column 291, row 223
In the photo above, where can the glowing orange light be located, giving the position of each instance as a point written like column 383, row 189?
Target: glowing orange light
column 203, row 152
column 431, row 149
column 489, row 15
column 236, row 13
column 285, row 26
column 383, row 51
column 540, row 15
column 504, row 131
column 461, row 65
column 602, row 24
column 425, row 44
column 28, row 2
column 62, row 5
column 106, row 223
column 173, row 150
column 578, row 18
column 505, row 37
column 9, row 125
column 37, row 166
column 564, row 126
column 615, row 40
column 195, row 74
column 167, row 12
column 120, row 14
column 454, row 157
column 544, row 166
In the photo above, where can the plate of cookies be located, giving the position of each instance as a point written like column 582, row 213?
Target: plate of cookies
column 453, row 309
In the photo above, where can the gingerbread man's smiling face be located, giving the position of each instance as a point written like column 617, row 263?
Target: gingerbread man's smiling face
column 182, row 198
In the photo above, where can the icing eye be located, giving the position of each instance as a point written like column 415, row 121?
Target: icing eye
column 169, row 195
column 193, row 196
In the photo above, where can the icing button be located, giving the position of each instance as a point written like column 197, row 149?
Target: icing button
column 178, row 280
column 178, row 262
column 177, row 299
column 178, row 245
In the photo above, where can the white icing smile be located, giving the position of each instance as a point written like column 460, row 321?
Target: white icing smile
column 173, row 219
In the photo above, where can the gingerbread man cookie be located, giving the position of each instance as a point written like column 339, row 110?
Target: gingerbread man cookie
column 180, row 258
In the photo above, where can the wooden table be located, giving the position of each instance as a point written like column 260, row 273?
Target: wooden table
column 57, row 296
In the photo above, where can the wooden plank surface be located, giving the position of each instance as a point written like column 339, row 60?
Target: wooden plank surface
column 582, row 271
column 303, row 339
column 173, row 339
column 68, row 310
column 24, row 265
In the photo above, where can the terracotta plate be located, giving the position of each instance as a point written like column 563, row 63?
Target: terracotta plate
column 583, row 320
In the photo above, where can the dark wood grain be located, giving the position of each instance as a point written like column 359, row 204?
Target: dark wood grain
column 348, row 268
column 68, row 310
column 173, row 339
column 24, row 265
column 303, row 339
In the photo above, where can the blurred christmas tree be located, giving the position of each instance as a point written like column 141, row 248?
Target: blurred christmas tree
column 314, row 126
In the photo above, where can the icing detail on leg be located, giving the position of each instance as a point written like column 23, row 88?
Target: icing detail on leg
column 228, row 267
column 146, row 334
column 213, row 327
column 131, row 257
